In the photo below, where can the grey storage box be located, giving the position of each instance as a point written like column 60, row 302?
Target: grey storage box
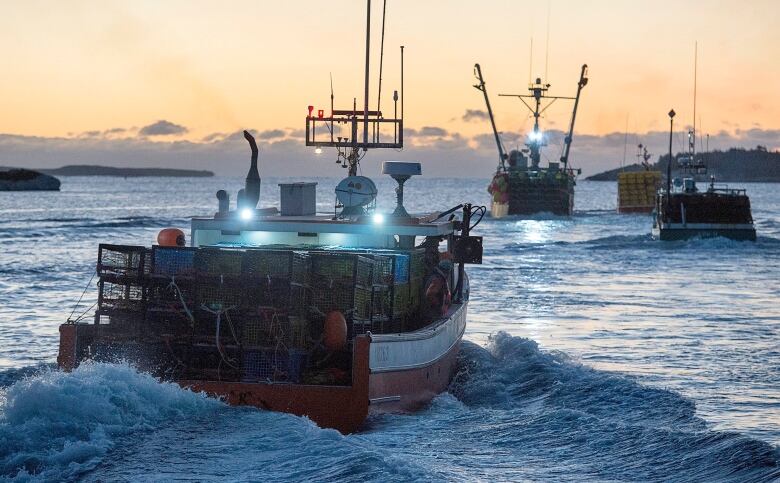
column 298, row 199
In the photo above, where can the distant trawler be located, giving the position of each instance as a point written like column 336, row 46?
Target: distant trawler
column 18, row 179
column 518, row 188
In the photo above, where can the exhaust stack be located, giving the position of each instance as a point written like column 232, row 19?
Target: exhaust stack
column 251, row 195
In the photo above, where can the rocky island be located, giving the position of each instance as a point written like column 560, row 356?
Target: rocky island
column 18, row 179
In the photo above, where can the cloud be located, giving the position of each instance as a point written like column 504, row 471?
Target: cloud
column 474, row 115
column 90, row 134
column 213, row 137
column 432, row 131
column 301, row 133
column 271, row 134
column 163, row 128
column 442, row 153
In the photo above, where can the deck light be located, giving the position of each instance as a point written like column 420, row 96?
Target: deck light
column 535, row 135
column 318, row 151
column 247, row 214
column 378, row 218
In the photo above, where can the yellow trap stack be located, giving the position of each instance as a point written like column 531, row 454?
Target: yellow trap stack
column 637, row 190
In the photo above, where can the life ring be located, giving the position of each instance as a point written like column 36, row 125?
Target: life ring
column 171, row 237
column 437, row 294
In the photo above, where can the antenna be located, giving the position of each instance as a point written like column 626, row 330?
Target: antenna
column 547, row 41
column 402, row 86
column 331, row 107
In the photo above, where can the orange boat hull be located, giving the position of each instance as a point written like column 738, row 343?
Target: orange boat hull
column 344, row 408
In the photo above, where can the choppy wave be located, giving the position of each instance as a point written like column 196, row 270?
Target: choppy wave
column 56, row 425
column 514, row 412
column 606, row 425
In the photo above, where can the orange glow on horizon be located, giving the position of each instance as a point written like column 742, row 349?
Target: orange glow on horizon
column 89, row 65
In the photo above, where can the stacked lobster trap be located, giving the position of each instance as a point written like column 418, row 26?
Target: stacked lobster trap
column 249, row 314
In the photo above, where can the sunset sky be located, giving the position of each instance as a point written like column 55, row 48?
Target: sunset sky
column 85, row 76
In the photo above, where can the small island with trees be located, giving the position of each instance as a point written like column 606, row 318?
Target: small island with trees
column 94, row 170
column 735, row 165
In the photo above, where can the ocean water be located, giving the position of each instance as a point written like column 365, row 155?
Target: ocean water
column 592, row 353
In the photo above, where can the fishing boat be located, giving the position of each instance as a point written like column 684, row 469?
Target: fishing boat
column 683, row 211
column 329, row 316
column 520, row 185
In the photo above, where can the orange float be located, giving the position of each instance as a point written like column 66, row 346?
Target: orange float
column 171, row 237
column 437, row 294
column 334, row 335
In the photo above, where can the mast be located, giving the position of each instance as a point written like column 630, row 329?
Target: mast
column 481, row 87
column 692, row 139
column 643, row 156
column 351, row 147
column 536, row 137
column 365, row 95
column 538, row 93
column 567, row 141
column 669, row 166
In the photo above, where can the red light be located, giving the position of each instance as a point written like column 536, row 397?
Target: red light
column 320, row 113
column 311, row 108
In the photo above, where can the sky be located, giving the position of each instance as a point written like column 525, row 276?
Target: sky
column 169, row 83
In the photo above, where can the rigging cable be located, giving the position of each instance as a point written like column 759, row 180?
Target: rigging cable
column 482, row 210
column 82, row 295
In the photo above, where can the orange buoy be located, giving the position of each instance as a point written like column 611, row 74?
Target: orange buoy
column 437, row 294
column 334, row 335
column 171, row 237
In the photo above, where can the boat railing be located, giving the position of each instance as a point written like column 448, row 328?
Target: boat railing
column 724, row 189
column 352, row 130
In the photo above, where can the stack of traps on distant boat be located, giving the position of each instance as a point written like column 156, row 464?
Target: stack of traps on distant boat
column 248, row 314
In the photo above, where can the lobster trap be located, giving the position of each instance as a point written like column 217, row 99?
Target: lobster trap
column 173, row 261
column 269, row 328
column 277, row 279
column 120, row 296
column 274, row 365
column 122, row 261
column 171, row 295
column 219, row 294
column 218, row 261
column 251, row 314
